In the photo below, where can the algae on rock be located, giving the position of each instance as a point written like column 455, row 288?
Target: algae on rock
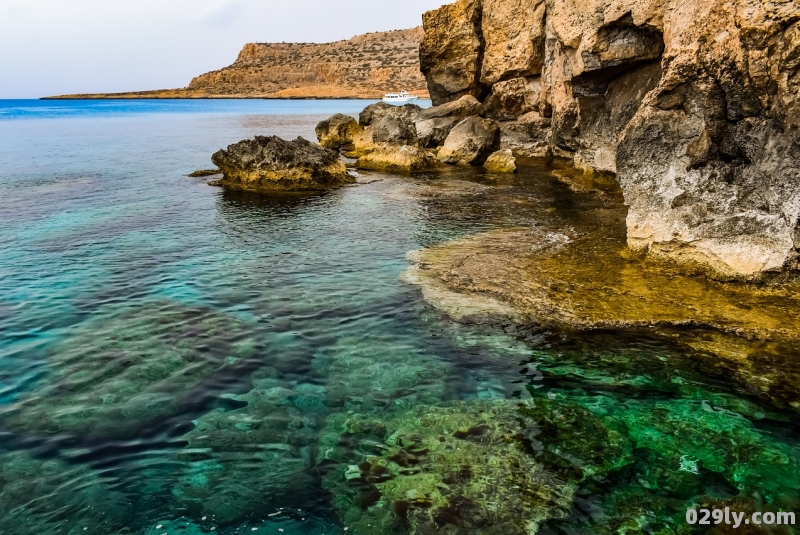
column 571, row 281
column 269, row 164
column 462, row 466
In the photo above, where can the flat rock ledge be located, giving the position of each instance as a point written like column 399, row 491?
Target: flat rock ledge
column 566, row 282
column 271, row 164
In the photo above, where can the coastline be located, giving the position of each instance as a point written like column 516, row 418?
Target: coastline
column 226, row 97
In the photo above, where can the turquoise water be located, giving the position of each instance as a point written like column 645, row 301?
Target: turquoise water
column 178, row 359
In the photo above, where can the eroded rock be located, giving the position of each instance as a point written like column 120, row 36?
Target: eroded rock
column 514, row 33
column 337, row 131
column 451, row 49
column 394, row 130
column 434, row 124
column 267, row 164
column 694, row 105
column 501, row 162
column 404, row 159
column 514, row 98
column 558, row 279
column 461, row 108
column 470, row 142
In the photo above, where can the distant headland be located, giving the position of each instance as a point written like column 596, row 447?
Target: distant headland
column 365, row 66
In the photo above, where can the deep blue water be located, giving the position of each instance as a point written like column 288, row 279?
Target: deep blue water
column 175, row 358
column 52, row 109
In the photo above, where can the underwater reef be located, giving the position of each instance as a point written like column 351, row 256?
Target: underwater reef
column 146, row 362
column 38, row 494
column 521, row 467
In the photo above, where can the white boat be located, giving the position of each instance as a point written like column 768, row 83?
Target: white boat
column 399, row 98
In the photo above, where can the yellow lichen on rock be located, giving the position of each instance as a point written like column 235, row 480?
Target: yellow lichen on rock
column 590, row 282
column 406, row 159
column 502, row 161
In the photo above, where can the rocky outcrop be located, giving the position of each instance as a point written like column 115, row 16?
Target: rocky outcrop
column 502, row 161
column 365, row 66
column 434, row 124
column 693, row 105
column 451, row 50
column 388, row 140
column 408, row 138
column 470, row 142
column 268, row 164
column 385, row 139
column 337, row 131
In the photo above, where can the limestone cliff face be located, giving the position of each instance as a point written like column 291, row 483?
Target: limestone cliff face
column 692, row 103
column 366, row 66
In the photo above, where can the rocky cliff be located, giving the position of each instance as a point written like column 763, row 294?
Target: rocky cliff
column 692, row 104
column 366, row 66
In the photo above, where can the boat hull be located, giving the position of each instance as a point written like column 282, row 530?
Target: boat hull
column 400, row 101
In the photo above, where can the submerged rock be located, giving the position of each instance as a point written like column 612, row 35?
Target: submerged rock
column 238, row 463
column 502, row 161
column 267, row 164
column 122, row 370
column 337, row 131
column 204, row 173
column 51, row 496
column 463, row 466
column 359, row 377
column 470, row 142
column 566, row 281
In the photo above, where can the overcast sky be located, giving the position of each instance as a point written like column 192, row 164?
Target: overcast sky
column 51, row 47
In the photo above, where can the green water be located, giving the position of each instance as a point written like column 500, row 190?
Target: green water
column 177, row 359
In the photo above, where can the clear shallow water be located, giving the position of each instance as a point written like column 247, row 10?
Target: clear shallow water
column 175, row 358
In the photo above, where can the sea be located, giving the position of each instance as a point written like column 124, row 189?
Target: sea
column 180, row 359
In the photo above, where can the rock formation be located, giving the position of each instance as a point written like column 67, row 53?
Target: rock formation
column 470, row 142
column 366, row 66
column 434, row 124
column 693, row 105
column 337, row 131
column 502, row 161
column 266, row 164
column 408, row 138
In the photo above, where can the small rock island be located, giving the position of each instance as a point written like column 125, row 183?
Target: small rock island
column 268, row 164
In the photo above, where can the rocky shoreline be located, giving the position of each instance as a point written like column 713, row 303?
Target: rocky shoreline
column 692, row 105
column 692, row 108
column 700, row 164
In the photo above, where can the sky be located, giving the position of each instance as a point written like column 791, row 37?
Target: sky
column 54, row 47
